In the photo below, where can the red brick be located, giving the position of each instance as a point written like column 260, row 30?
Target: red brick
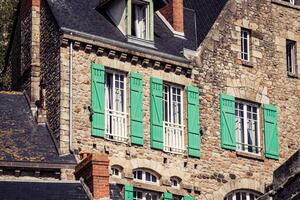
column 173, row 12
column 95, row 172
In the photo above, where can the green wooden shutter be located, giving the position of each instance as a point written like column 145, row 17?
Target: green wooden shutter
column 98, row 120
column 168, row 196
column 271, row 132
column 156, row 113
column 136, row 109
column 188, row 198
column 227, row 113
column 128, row 192
column 193, row 121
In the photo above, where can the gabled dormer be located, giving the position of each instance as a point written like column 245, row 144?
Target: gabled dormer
column 134, row 18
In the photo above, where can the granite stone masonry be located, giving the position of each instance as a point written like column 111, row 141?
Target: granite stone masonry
column 215, row 67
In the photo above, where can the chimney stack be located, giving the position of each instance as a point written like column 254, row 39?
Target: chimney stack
column 30, row 53
column 173, row 12
column 94, row 169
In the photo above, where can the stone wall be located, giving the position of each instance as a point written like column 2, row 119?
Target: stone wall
column 218, row 69
column 50, row 68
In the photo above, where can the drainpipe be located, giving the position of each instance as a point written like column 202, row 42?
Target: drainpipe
column 71, row 98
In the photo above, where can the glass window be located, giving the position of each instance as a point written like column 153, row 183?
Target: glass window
column 173, row 119
column 139, row 194
column 291, row 57
column 115, row 171
column 174, row 182
column 115, row 106
column 242, row 195
column 139, row 19
column 247, row 127
column 245, row 44
column 145, row 176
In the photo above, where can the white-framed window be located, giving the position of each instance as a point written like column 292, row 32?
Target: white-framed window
column 139, row 194
column 242, row 195
column 116, row 171
column 175, row 182
column 245, row 44
column 290, row 1
column 145, row 176
column 173, row 125
column 115, row 106
column 139, row 18
column 291, row 57
column 247, row 127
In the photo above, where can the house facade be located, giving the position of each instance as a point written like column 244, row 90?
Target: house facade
column 186, row 98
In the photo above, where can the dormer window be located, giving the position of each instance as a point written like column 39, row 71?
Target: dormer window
column 139, row 19
column 290, row 1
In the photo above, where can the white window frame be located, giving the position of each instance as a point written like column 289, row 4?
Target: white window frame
column 173, row 131
column 245, row 51
column 115, row 121
column 233, row 195
column 244, row 147
column 115, row 169
column 144, row 179
column 136, row 23
column 291, row 57
column 144, row 194
column 290, row 1
column 173, row 180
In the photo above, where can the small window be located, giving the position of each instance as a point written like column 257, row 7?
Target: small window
column 242, row 195
column 139, row 194
column 139, row 19
column 173, row 119
column 290, row 1
column 115, row 171
column 245, row 44
column 175, row 183
column 291, row 57
column 247, row 127
column 145, row 176
column 115, row 106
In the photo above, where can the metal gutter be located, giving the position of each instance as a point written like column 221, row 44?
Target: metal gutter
column 125, row 45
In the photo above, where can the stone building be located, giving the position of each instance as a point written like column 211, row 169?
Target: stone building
column 192, row 99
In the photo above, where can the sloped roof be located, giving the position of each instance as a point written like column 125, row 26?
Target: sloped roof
column 207, row 12
column 82, row 16
column 13, row 190
column 21, row 138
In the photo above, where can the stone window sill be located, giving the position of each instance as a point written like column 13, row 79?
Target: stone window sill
column 286, row 4
column 251, row 156
column 142, row 42
column 295, row 76
column 247, row 63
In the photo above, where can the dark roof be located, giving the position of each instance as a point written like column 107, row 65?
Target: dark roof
column 207, row 12
column 21, row 138
column 11, row 190
column 82, row 16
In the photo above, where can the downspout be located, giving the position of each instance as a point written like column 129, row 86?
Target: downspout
column 71, row 98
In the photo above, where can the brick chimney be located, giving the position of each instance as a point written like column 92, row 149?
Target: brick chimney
column 173, row 12
column 95, row 172
column 30, row 49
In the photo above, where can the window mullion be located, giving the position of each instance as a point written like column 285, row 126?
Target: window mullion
column 245, row 126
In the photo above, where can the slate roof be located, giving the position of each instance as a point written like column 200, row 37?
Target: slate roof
column 11, row 190
column 82, row 16
column 207, row 12
column 21, row 138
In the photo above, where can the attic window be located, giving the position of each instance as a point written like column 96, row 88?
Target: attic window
column 139, row 19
